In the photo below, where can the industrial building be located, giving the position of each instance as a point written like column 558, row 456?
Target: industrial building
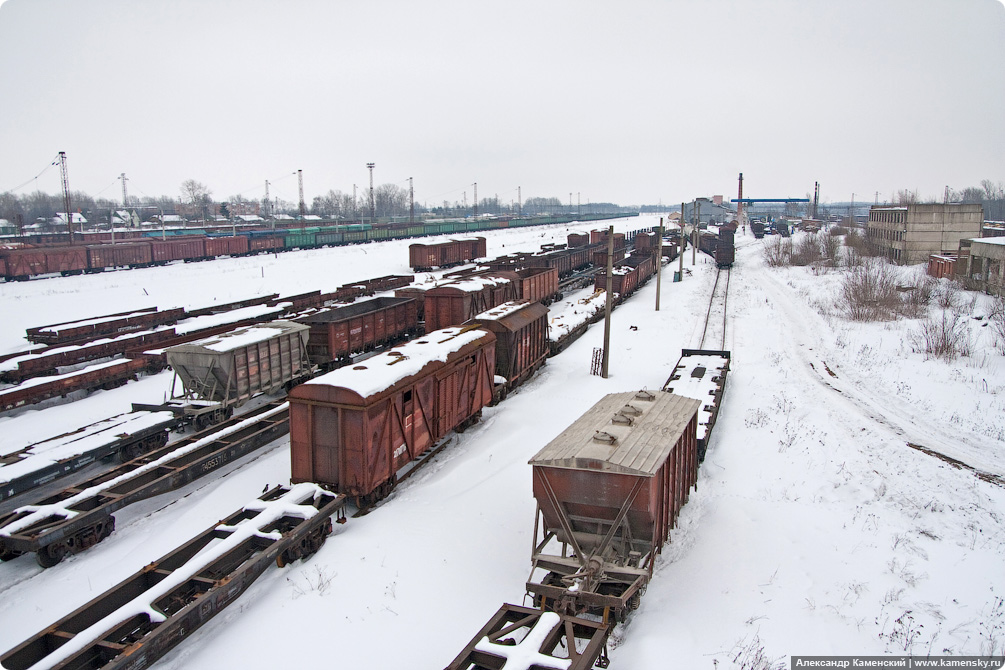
column 910, row 234
column 986, row 266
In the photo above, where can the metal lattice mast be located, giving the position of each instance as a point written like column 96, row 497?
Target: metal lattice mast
column 66, row 194
column 476, row 199
column 266, row 208
column 411, row 202
column 519, row 201
column 300, row 179
column 125, row 196
column 373, row 205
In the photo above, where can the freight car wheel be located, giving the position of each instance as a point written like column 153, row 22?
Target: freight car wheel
column 51, row 555
column 8, row 554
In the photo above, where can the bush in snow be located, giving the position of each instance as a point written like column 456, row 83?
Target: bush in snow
column 778, row 252
column 996, row 317
column 837, row 231
column 830, row 248
column 948, row 294
column 806, row 251
column 869, row 292
column 945, row 335
column 917, row 296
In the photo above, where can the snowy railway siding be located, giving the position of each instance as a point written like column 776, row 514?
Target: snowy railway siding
column 137, row 621
column 80, row 516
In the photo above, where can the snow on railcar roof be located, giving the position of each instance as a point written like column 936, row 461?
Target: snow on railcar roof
column 242, row 337
column 213, row 320
column 96, row 320
column 631, row 433
column 384, row 370
column 503, row 310
column 107, row 431
column 475, row 283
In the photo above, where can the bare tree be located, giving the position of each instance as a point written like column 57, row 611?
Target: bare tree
column 195, row 193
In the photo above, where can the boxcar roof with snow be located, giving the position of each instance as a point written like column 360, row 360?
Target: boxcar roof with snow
column 378, row 374
column 241, row 337
column 631, row 433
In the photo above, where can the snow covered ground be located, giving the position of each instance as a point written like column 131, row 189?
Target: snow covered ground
column 815, row 528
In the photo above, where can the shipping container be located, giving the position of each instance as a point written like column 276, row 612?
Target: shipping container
column 338, row 333
column 354, row 429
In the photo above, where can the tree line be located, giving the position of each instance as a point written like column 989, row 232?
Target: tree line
column 390, row 201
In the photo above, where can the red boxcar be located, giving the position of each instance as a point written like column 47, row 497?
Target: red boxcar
column 24, row 263
column 235, row 245
column 130, row 254
column 455, row 302
column 578, row 239
column 609, row 489
column 337, row 334
column 355, row 428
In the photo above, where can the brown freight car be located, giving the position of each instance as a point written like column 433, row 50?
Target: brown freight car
column 521, row 330
column 130, row 254
column 28, row 262
column 356, row 428
column 424, row 257
column 338, row 333
column 578, row 239
column 609, row 489
column 187, row 248
column 233, row 245
column 455, row 302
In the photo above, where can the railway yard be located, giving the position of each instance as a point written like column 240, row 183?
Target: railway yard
column 813, row 523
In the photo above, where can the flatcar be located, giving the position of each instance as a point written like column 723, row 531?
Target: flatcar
column 701, row 374
column 355, row 429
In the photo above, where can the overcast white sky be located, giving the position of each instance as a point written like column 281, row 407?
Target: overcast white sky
column 633, row 102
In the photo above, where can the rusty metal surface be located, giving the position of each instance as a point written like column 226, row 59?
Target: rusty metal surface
column 58, row 535
column 137, row 641
column 580, row 642
column 356, row 445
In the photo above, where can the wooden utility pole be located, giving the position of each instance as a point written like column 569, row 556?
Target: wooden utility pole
column 607, row 317
column 659, row 264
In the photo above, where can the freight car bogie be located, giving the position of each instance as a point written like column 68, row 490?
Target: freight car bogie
column 309, row 544
column 51, row 554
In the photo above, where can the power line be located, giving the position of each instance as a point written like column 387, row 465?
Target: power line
column 54, row 163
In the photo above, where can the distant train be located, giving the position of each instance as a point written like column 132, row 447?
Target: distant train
column 50, row 254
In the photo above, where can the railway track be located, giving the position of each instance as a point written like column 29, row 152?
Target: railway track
column 714, row 331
